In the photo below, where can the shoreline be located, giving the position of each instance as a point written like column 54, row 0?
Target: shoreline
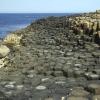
column 53, row 58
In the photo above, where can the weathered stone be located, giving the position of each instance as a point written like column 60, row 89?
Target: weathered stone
column 76, row 98
column 79, row 92
column 3, row 96
column 19, row 87
column 78, row 73
column 98, row 11
column 58, row 67
column 70, row 73
column 4, row 50
column 49, row 98
column 12, row 39
column 58, row 73
column 96, row 71
column 96, row 97
column 3, row 62
column 94, row 88
column 98, row 33
column 48, row 73
column 92, row 76
column 98, row 25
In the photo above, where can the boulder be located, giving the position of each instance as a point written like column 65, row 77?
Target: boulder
column 4, row 50
column 94, row 88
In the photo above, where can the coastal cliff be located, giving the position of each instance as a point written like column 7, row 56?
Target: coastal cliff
column 54, row 58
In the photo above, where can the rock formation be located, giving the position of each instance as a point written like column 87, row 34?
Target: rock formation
column 54, row 58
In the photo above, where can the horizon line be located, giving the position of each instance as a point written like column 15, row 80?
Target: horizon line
column 52, row 12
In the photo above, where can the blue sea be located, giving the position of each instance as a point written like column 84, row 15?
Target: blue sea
column 12, row 22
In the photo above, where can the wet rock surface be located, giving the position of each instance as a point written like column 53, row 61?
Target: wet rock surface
column 51, row 62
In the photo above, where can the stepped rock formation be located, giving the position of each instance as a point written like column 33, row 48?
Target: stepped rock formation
column 88, row 24
column 54, row 58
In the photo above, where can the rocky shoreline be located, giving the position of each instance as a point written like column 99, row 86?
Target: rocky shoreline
column 57, row 58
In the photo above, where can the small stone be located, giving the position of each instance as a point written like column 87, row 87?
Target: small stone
column 40, row 87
